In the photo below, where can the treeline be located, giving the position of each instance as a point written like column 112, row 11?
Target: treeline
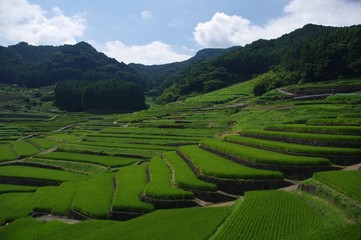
column 118, row 95
column 310, row 54
column 35, row 66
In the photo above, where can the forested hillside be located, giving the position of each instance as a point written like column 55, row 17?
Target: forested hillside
column 309, row 54
column 35, row 66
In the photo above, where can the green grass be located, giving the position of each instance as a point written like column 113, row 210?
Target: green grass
column 130, row 185
column 144, row 141
column 342, row 130
column 13, row 206
column 90, row 158
column 217, row 166
column 62, row 137
column 184, row 176
column 24, row 149
column 55, row 200
column 263, row 156
column 160, row 185
column 39, row 173
column 294, row 148
column 137, row 153
column 94, row 198
column 8, row 188
column 44, row 143
column 70, row 166
column 176, row 224
column 6, row 153
column 347, row 182
column 225, row 94
column 330, row 138
column 127, row 145
column 161, row 131
column 116, row 136
column 335, row 122
column 269, row 215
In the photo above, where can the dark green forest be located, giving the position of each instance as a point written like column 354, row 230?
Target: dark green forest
column 310, row 54
column 74, row 95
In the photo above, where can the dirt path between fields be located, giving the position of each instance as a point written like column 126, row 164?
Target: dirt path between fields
column 353, row 167
column 284, row 92
column 48, row 218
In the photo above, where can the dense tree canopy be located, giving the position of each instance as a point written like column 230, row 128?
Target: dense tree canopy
column 312, row 53
column 109, row 94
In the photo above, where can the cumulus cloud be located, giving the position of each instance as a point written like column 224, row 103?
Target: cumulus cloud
column 23, row 21
column 225, row 31
column 155, row 52
column 146, row 15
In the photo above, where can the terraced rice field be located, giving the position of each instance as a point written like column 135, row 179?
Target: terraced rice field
column 8, row 188
column 347, row 182
column 183, row 176
column 107, row 161
column 131, row 182
column 307, row 138
column 269, row 215
column 294, row 148
column 342, row 130
column 94, row 198
column 263, row 156
column 24, row 149
column 216, row 166
column 55, row 200
column 160, row 185
column 23, row 172
column 7, row 153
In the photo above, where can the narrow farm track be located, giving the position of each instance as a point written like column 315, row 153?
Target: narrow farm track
column 280, row 90
column 353, row 167
column 49, row 218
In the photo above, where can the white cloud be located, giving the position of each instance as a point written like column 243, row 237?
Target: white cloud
column 155, row 52
column 23, row 21
column 225, row 31
column 146, row 15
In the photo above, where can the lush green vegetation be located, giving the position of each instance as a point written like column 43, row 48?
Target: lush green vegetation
column 184, row 176
column 110, row 94
column 293, row 148
column 180, row 224
column 269, row 215
column 7, row 153
column 342, row 130
column 61, row 137
column 331, row 139
column 160, row 185
column 263, row 156
column 216, row 166
column 90, row 150
column 71, row 166
column 130, row 185
column 39, row 173
column 55, row 200
column 347, row 182
column 10, row 211
column 90, row 158
column 94, row 198
column 44, row 143
column 8, row 188
column 24, row 149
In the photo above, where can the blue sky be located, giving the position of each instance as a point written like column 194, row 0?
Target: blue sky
column 160, row 31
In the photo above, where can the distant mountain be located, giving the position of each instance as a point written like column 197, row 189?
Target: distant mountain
column 312, row 53
column 163, row 76
column 35, row 66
